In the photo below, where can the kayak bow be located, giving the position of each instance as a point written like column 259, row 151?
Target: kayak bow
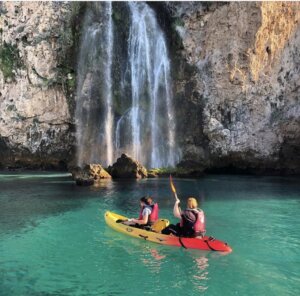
column 205, row 243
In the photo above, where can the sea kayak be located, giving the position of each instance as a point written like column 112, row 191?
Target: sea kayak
column 206, row 243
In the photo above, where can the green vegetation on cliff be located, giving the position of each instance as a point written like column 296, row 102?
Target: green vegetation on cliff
column 9, row 60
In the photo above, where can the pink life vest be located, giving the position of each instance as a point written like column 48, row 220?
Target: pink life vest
column 154, row 213
column 193, row 221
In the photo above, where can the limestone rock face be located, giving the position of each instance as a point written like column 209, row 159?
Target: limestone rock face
column 235, row 71
column 126, row 167
column 240, row 84
column 35, row 116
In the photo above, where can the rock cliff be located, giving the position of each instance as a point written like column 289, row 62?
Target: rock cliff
column 35, row 84
column 240, row 97
column 235, row 66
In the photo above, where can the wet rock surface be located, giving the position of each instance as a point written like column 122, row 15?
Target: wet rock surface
column 89, row 175
column 127, row 168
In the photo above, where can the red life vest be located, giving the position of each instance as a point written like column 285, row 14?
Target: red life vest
column 192, row 222
column 154, row 213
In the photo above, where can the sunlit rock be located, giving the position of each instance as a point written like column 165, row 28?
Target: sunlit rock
column 126, row 167
column 89, row 174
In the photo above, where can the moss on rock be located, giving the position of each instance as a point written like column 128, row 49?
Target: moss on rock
column 9, row 60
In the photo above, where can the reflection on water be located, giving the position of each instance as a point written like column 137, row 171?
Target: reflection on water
column 201, row 277
column 152, row 259
column 155, row 254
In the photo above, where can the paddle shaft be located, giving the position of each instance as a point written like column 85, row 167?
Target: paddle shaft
column 176, row 197
column 173, row 188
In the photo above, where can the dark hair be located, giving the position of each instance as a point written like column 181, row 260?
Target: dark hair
column 147, row 200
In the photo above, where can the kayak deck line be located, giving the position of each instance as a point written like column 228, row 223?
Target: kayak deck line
column 207, row 243
column 182, row 244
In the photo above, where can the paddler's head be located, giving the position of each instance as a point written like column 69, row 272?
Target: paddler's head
column 146, row 201
column 192, row 203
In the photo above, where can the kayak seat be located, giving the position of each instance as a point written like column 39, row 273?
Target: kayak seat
column 159, row 225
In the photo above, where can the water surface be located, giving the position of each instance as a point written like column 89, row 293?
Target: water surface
column 54, row 241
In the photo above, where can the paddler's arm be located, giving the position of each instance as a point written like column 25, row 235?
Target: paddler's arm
column 176, row 209
column 141, row 222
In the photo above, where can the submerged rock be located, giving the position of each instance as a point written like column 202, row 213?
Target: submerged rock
column 126, row 167
column 85, row 182
column 89, row 174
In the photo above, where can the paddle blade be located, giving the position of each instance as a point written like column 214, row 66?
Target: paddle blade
column 172, row 185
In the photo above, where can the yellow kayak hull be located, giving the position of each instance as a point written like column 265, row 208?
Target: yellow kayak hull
column 112, row 218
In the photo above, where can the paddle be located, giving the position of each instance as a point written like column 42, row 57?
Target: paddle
column 173, row 188
column 176, row 210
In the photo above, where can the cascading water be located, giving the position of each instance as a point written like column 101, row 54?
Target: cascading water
column 94, row 114
column 145, row 127
column 151, row 118
column 108, row 89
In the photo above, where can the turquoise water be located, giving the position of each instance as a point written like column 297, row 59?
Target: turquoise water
column 53, row 239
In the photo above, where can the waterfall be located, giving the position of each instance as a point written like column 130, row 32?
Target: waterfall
column 108, row 89
column 151, row 119
column 94, row 114
column 145, row 126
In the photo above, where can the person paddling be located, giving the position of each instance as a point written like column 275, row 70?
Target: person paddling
column 192, row 220
column 148, row 213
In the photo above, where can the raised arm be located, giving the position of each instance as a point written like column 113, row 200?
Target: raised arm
column 176, row 209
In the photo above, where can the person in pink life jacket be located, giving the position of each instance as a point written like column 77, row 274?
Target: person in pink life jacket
column 148, row 213
column 192, row 220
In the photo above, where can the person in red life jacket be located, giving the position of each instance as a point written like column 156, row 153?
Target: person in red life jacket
column 192, row 220
column 148, row 213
